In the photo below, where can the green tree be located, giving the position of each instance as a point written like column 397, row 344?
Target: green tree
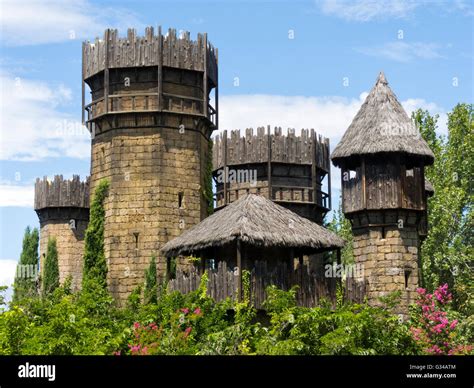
column 51, row 268
column 95, row 265
column 447, row 253
column 151, row 282
column 25, row 279
column 342, row 227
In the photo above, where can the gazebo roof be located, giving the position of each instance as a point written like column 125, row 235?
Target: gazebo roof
column 255, row 221
column 381, row 126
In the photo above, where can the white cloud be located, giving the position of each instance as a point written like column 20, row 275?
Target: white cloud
column 329, row 116
column 32, row 126
column 366, row 10
column 401, row 51
column 412, row 104
column 7, row 275
column 7, row 271
column 29, row 22
column 369, row 10
column 16, row 195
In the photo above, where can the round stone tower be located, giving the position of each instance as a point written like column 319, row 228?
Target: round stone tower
column 63, row 210
column 382, row 157
column 151, row 120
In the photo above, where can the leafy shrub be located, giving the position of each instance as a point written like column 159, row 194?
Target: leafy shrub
column 432, row 327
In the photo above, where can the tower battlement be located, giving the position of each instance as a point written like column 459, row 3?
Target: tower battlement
column 149, row 74
column 61, row 192
column 62, row 206
column 288, row 169
column 171, row 50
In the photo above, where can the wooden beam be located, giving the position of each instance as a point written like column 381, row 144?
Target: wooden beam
column 329, row 178
column 204, row 80
column 239, row 266
column 401, row 181
column 83, row 82
column 269, row 164
column 106, row 70
column 224, row 146
column 217, row 90
column 313, row 168
column 364, row 188
column 160, row 70
column 423, row 199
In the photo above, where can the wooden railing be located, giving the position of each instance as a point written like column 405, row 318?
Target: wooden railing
column 312, row 287
column 140, row 102
column 280, row 194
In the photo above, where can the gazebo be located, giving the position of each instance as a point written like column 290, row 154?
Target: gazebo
column 255, row 230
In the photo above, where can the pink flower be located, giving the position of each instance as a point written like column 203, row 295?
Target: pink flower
column 421, row 291
column 187, row 331
column 197, row 311
column 117, row 353
column 136, row 325
column 453, row 324
column 185, row 310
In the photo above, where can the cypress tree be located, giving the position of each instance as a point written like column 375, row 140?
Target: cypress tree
column 51, row 268
column 95, row 265
column 25, row 279
column 151, row 282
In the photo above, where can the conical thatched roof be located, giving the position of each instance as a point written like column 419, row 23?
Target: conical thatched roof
column 257, row 221
column 381, row 126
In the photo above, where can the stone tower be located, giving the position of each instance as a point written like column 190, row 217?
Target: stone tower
column 151, row 120
column 382, row 157
column 63, row 210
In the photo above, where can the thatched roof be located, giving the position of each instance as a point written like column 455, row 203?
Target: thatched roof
column 381, row 126
column 256, row 221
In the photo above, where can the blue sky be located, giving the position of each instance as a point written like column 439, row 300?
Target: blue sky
column 299, row 64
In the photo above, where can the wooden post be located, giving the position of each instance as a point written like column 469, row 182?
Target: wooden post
column 239, row 266
column 160, row 70
column 329, row 179
column 224, row 146
column 313, row 169
column 204, row 80
column 423, row 199
column 217, row 90
column 269, row 164
column 168, row 268
column 364, row 191
column 83, row 82
column 338, row 261
column 343, row 171
column 106, row 70
column 401, row 181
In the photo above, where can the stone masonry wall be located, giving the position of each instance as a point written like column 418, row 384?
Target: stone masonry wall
column 390, row 263
column 150, row 170
column 70, row 245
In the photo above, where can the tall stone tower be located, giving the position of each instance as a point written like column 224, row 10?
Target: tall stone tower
column 382, row 157
column 151, row 120
column 63, row 210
